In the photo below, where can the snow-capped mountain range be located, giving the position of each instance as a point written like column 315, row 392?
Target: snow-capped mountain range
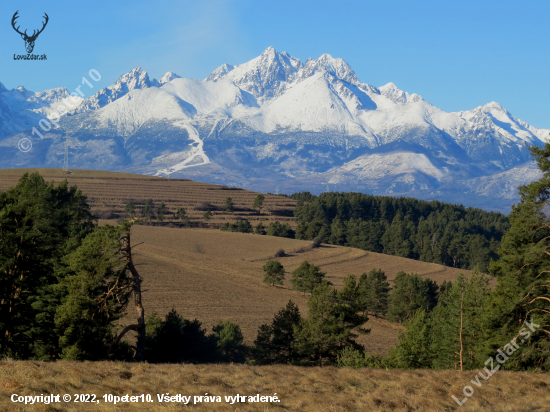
column 277, row 122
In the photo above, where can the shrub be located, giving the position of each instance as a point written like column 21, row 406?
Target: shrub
column 204, row 206
column 280, row 253
column 356, row 359
column 105, row 214
column 241, row 226
column 259, row 229
column 351, row 358
column 280, row 230
column 176, row 339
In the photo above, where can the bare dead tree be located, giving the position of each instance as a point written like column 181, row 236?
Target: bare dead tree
column 139, row 327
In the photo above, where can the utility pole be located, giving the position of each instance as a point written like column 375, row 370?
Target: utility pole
column 66, row 159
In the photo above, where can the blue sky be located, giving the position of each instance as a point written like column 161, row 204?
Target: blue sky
column 456, row 54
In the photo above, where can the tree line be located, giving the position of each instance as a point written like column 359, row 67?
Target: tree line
column 273, row 229
column 431, row 231
column 150, row 211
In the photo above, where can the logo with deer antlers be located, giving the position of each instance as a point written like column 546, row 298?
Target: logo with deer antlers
column 29, row 40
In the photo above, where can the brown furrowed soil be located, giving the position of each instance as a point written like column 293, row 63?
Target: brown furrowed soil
column 109, row 192
column 299, row 389
column 217, row 276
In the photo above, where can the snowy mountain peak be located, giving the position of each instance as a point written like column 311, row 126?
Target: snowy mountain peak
column 392, row 92
column 135, row 79
column 493, row 106
column 219, row 72
column 264, row 76
column 168, row 77
column 269, row 74
column 53, row 95
column 20, row 93
column 389, row 86
column 270, row 51
column 276, row 120
column 338, row 68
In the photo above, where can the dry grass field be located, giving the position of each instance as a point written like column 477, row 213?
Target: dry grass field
column 109, row 192
column 298, row 389
column 213, row 275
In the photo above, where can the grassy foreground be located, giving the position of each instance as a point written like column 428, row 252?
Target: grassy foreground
column 298, row 388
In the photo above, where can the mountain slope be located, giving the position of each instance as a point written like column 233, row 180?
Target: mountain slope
column 277, row 121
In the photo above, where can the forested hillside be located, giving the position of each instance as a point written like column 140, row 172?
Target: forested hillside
column 431, row 231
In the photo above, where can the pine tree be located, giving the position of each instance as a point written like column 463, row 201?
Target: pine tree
column 182, row 215
column 130, row 210
column 280, row 230
column 161, row 211
column 207, row 215
column 274, row 342
column 414, row 348
column 148, row 208
column 410, row 293
column 353, row 305
column 274, row 273
column 176, row 340
column 63, row 280
column 229, row 207
column 258, row 203
column 39, row 224
column 430, row 231
column 95, row 289
column 523, row 273
column 263, row 351
column 283, row 327
column 457, row 323
column 323, row 334
column 306, row 277
column 379, row 292
column 397, row 239
column 259, row 229
column 230, row 341
column 337, row 233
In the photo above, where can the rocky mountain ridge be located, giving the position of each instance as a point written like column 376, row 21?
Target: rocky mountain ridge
column 278, row 122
